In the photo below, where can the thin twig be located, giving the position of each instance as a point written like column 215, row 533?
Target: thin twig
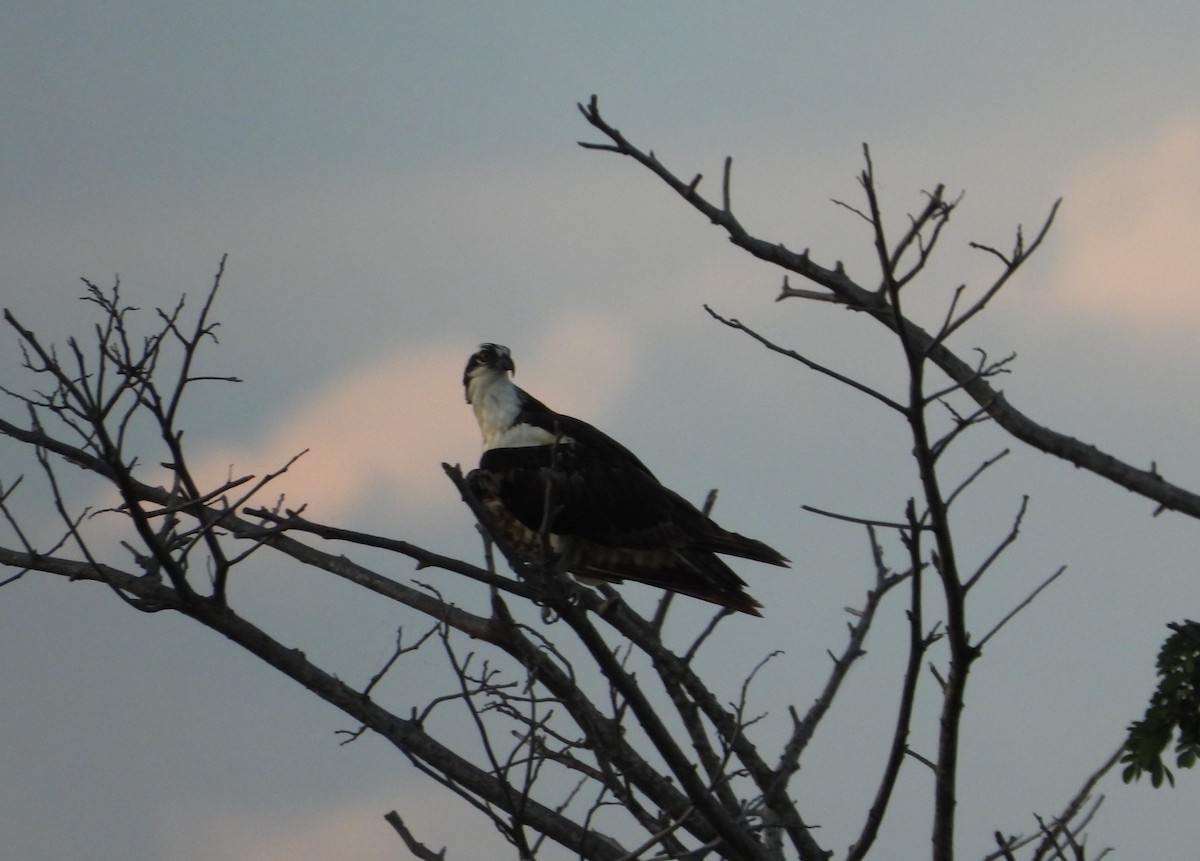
column 792, row 354
column 1017, row 609
column 1008, row 540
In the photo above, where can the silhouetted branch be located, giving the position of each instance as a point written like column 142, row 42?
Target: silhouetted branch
column 588, row 723
column 791, row 354
column 1147, row 483
column 414, row 846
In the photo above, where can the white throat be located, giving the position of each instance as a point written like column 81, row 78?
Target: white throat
column 496, row 402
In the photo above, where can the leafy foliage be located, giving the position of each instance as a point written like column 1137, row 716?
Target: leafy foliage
column 1173, row 709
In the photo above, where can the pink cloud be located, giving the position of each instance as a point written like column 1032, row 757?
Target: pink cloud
column 354, row 830
column 391, row 422
column 389, row 425
column 1131, row 225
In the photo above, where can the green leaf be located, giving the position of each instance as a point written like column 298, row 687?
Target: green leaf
column 1172, row 713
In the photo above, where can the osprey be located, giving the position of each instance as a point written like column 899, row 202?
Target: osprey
column 550, row 478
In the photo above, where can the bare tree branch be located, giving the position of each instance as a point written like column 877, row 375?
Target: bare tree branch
column 411, row 843
column 791, row 354
column 587, row 724
column 1017, row 609
column 1147, row 483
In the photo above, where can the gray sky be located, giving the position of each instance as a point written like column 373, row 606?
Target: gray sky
column 395, row 183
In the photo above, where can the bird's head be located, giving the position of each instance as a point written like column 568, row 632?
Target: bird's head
column 489, row 364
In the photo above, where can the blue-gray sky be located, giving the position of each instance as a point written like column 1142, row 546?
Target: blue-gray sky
column 395, row 183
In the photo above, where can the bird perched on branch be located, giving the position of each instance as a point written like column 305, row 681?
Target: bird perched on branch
column 552, row 481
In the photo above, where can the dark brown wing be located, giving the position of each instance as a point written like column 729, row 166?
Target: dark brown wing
column 616, row 521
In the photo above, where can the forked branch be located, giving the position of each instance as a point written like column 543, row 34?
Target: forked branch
column 843, row 289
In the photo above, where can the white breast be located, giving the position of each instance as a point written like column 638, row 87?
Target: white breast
column 519, row 436
column 497, row 402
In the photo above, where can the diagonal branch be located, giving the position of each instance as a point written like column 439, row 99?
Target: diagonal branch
column 1011, row 265
column 1028, row 599
column 417, row 848
column 919, row 643
column 734, row 323
column 1146, row 483
column 804, row 728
